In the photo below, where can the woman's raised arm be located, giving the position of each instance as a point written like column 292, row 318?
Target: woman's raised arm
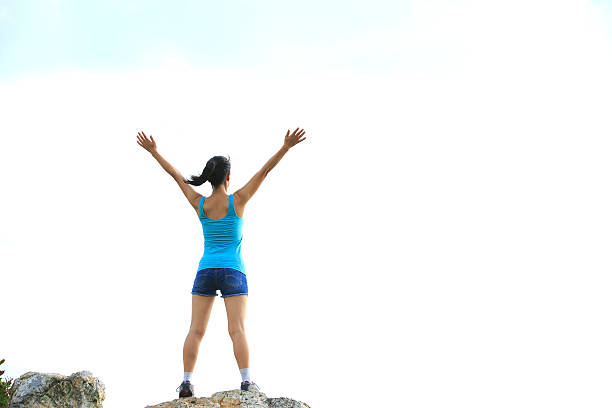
column 246, row 192
column 149, row 145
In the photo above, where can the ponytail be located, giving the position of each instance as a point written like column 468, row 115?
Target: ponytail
column 216, row 170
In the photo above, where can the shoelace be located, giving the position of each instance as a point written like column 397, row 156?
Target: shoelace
column 179, row 387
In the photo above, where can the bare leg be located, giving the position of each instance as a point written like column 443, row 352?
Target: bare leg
column 201, row 306
column 235, row 307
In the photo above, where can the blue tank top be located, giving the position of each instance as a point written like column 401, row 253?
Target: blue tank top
column 222, row 239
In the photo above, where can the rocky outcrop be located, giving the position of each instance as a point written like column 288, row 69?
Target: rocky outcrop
column 232, row 399
column 83, row 390
column 39, row 390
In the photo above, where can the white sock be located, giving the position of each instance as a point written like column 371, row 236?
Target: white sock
column 187, row 376
column 246, row 374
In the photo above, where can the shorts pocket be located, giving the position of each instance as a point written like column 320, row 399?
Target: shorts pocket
column 233, row 280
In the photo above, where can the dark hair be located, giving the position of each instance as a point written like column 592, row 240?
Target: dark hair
column 216, row 170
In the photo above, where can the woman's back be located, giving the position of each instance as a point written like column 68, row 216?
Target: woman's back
column 216, row 206
column 222, row 235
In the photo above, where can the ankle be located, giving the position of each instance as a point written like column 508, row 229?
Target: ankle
column 245, row 373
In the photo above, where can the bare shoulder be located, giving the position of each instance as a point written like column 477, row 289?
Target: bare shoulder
column 195, row 203
column 239, row 204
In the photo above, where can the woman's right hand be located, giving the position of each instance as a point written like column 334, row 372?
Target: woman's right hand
column 294, row 138
column 149, row 145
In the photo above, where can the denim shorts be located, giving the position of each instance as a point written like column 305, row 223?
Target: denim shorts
column 231, row 282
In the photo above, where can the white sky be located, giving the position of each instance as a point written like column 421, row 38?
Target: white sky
column 441, row 238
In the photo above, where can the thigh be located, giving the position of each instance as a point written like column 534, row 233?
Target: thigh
column 201, row 306
column 235, row 306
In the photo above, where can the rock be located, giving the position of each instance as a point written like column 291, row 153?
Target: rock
column 40, row 390
column 232, row 399
column 83, row 390
column 283, row 402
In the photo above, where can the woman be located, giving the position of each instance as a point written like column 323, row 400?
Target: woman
column 221, row 266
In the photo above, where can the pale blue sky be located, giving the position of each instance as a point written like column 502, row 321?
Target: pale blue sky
column 46, row 35
column 379, row 38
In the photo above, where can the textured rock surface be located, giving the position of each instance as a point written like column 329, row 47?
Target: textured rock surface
column 83, row 390
column 232, row 399
column 40, row 390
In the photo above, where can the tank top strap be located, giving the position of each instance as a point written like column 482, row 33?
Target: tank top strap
column 200, row 206
column 231, row 209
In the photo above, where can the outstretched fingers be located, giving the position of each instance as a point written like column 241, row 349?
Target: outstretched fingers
column 145, row 142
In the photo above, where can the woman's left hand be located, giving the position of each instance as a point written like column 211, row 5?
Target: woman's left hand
column 149, row 145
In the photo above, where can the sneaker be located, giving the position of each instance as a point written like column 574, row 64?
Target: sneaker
column 186, row 389
column 249, row 386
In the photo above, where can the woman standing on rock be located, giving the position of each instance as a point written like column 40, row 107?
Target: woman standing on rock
column 221, row 267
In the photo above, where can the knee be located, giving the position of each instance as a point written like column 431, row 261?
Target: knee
column 236, row 332
column 197, row 333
